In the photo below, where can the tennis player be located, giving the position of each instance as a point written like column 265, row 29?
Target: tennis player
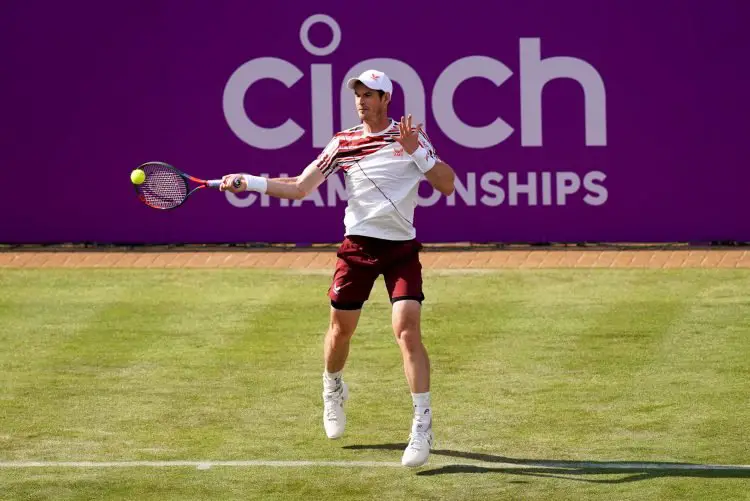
column 384, row 161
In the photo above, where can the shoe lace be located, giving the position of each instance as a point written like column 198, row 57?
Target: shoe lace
column 417, row 440
column 332, row 399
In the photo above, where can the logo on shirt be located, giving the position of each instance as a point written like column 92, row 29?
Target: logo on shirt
column 398, row 152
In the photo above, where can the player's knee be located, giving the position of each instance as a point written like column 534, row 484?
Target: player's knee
column 406, row 313
column 409, row 338
column 340, row 332
column 341, row 328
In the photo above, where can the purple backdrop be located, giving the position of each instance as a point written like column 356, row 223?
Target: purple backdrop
column 640, row 133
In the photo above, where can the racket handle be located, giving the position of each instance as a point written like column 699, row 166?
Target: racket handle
column 215, row 183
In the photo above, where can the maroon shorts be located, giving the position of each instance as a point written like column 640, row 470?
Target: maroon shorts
column 362, row 259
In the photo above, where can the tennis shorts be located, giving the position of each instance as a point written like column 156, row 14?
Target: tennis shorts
column 362, row 259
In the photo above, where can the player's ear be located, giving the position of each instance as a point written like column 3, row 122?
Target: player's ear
column 387, row 97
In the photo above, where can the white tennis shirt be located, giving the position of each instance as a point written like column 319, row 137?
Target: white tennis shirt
column 376, row 169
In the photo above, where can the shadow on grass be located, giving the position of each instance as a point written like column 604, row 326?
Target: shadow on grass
column 571, row 470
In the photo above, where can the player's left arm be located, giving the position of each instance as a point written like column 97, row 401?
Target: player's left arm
column 442, row 177
column 416, row 143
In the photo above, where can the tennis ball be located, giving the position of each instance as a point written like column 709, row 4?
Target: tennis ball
column 138, row 176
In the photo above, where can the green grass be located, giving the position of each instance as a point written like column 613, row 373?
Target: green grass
column 539, row 365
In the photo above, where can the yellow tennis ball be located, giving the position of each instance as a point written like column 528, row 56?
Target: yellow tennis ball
column 137, row 176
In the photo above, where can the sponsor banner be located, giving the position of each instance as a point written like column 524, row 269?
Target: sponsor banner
column 565, row 121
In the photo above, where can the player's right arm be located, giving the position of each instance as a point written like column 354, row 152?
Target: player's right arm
column 298, row 187
column 293, row 188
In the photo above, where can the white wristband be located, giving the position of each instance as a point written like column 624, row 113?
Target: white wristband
column 255, row 183
column 423, row 159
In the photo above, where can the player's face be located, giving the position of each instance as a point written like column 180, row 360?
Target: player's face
column 370, row 105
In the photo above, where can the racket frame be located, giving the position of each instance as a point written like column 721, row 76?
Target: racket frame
column 202, row 183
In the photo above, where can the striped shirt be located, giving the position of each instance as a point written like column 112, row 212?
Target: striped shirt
column 381, row 181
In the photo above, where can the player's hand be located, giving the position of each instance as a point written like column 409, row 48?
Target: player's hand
column 408, row 136
column 233, row 182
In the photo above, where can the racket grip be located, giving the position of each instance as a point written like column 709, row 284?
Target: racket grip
column 215, row 183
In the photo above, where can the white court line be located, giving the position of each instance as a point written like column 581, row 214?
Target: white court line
column 195, row 464
column 204, row 465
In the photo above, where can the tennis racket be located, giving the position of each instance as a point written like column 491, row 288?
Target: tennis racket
column 167, row 187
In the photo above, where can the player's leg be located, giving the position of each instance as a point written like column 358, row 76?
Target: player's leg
column 404, row 284
column 406, row 322
column 350, row 288
column 406, row 327
column 341, row 327
column 343, row 323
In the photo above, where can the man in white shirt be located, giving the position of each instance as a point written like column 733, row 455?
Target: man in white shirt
column 383, row 161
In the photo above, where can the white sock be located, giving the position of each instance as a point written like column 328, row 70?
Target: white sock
column 331, row 380
column 422, row 411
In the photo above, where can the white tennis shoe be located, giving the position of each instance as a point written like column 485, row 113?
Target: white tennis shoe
column 420, row 443
column 334, row 417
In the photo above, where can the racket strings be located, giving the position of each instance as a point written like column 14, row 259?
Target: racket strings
column 163, row 188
